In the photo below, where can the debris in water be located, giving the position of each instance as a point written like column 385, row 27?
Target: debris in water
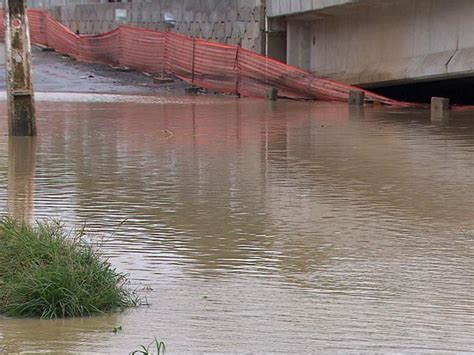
column 45, row 48
column 123, row 69
column 117, row 329
column 192, row 89
column 163, row 80
column 168, row 133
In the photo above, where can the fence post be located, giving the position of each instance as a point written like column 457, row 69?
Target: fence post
column 194, row 50
column 120, row 46
column 21, row 109
column 164, row 56
column 237, row 66
column 165, row 52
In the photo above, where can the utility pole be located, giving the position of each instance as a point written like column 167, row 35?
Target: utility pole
column 21, row 109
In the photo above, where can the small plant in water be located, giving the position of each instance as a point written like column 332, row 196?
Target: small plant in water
column 48, row 272
column 117, row 329
column 155, row 347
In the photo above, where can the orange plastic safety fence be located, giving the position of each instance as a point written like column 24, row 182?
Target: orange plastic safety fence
column 223, row 68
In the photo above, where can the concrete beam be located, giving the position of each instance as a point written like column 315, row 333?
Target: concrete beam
column 277, row 8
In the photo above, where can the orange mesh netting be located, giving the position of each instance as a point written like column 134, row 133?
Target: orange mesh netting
column 214, row 66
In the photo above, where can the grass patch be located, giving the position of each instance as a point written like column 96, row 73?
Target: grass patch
column 48, row 272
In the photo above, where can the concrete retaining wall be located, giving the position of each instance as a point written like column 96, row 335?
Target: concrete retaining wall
column 225, row 21
column 394, row 41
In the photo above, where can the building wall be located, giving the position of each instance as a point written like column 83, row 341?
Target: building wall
column 386, row 41
column 225, row 21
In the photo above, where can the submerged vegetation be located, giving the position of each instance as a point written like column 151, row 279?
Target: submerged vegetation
column 48, row 272
column 155, row 347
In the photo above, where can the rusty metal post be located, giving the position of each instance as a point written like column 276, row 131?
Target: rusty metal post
column 21, row 110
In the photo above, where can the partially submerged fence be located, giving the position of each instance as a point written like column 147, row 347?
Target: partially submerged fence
column 214, row 66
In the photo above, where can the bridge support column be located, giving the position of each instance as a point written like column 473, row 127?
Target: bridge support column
column 21, row 110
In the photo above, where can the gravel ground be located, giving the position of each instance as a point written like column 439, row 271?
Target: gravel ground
column 55, row 73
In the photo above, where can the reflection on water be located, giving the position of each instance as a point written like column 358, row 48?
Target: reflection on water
column 21, row 170
column 259, row 227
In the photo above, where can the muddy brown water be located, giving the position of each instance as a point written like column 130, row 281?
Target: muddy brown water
column 256, row 227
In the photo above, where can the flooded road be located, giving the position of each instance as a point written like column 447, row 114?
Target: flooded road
column 256, row 227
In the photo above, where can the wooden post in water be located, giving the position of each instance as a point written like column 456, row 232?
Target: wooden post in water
column 21, row 110
column 272, row 94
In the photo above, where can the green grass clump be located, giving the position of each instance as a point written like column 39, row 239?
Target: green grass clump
column 149, row 350
column 48, row 272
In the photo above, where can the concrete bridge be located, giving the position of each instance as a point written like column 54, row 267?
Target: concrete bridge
column 375, row 42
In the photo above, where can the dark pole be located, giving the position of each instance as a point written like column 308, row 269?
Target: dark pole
column 194, row 50
column 21, row 110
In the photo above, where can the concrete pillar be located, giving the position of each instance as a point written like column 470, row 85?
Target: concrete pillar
column 356, row 98
column 276, row 39
column 21, row 110
column 439, row 108
column 298, row 44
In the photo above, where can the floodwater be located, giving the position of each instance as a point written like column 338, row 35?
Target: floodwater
column 256, row 227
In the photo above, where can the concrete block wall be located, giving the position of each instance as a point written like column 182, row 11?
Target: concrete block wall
column 225, row 21
column 45, row 4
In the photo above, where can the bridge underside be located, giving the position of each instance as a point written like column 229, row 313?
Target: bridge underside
column 376, row 43
column 460, row 91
